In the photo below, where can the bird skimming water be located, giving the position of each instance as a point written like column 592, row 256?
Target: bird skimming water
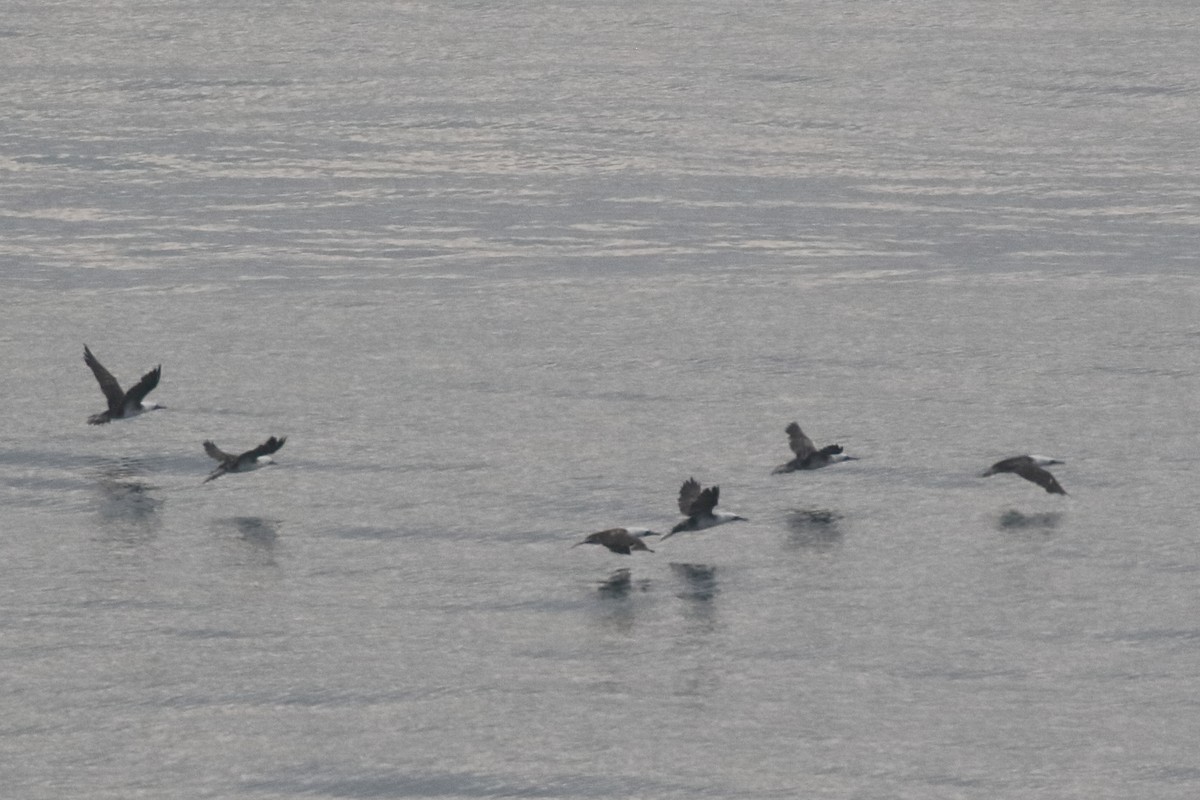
column 1031, row 468
column 121, row 404
column 246, row 462
column 698, row 505
column 620, row 540
column 807, row 454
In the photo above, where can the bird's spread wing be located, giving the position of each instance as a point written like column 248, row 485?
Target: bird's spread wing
column 687, row 496
column 135, row 396
column 216, row 453
column 801, row 445
column 1032, row 472
column 264, row 449
column 108, row 384
column 707, row 500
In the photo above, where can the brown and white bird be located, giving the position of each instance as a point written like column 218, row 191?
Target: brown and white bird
column 245, row 462
column 620, row 540
column 697, row 505
column 1031, row 468
column 807, row 454
column 121, row 404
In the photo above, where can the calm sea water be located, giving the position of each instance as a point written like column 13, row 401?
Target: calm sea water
column 506, row 274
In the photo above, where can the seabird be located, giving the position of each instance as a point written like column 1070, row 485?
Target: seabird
column 1031, row 469
column 246, row 462
column 121, row 404
column 620, row 540
column 807, row 454
column 698, row 506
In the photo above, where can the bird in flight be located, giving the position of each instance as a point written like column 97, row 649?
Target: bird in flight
column 1031, row 468
column 697, row 505
column 245, row 462
column 807, row 454
column 620, row 540
column 121, row 404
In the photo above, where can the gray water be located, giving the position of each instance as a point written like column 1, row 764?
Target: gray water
column 508, row 273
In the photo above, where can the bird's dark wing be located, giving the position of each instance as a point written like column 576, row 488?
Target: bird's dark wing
column 801, row 445
column 687, row 496
column 628, row 541
column 1032, row 472
column 216, row 453
column 264, row 449
column 707, row 500
column 1011, row 464
column 108, row 384
column 135, row 396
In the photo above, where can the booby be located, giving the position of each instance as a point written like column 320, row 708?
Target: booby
column 121, row 404
column 1031, row 468
column 246, row 462
column 807, row 454
column 620, row 540
column 698, row 506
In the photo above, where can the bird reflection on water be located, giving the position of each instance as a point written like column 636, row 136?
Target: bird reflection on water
column 1016, row 520
column 615, row 607
column 699, row 580
column 257, row 530
column 128, row 504
column 817, row 528
column 617, row 585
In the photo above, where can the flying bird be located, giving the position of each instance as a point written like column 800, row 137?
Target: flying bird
column 1031, row 468
column 807, row 454
column 697, row 505
column 121, row 404
column 620, row 540
column 246, row 462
